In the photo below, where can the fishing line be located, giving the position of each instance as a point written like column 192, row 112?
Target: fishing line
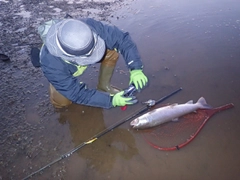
column 105, row 131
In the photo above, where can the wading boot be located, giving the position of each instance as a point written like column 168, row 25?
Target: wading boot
column 106, row 71
column 57, row 99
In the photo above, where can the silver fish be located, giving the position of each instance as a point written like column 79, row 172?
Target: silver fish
column 168, row 113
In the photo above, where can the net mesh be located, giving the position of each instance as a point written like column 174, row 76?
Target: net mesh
column 176, row 134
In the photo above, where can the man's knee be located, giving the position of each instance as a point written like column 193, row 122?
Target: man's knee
column 110, row 58
column 57, row 99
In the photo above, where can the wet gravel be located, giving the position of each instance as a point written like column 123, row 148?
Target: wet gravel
column 24, row 90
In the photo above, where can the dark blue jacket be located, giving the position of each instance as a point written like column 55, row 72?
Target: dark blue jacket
column 60, row 74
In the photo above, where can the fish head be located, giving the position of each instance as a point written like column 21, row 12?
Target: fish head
column 140, row 123
column 134, row 123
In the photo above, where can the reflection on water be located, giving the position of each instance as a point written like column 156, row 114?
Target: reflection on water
column 86, row 122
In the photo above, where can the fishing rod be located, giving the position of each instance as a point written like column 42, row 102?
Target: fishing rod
column 150, row 103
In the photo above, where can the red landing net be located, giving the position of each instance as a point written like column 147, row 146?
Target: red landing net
column 175, row 135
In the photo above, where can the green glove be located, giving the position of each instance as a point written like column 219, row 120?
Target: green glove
column 120, row 100
column 138, row 79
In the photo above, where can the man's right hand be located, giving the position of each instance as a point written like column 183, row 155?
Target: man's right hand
column 119, row 99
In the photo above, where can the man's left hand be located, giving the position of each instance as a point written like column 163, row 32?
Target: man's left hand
column 138, row 78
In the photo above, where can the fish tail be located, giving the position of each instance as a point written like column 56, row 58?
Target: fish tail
column 203, row 103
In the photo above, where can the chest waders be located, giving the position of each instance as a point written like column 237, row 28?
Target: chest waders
column 105, row 74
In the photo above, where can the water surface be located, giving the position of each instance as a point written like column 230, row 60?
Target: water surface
column 194, row 45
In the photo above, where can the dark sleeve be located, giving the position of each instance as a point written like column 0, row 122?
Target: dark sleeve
column 117, row 39
column 69, row 86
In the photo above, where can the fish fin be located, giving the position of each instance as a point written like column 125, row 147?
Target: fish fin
column 189, row 102
column 175, row 104
column 203, row 104
column 175, row 119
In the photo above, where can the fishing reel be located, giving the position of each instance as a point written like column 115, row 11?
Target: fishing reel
column 150, row 102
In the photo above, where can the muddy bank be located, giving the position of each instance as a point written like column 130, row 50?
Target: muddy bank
column 24, row 105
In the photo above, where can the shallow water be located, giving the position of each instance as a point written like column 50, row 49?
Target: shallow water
column 194, row 45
